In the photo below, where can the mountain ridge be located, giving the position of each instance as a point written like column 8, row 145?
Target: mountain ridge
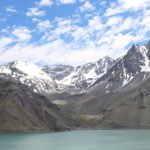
column 62, row 78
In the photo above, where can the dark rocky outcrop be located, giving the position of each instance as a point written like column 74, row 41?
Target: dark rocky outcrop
column 23, row 110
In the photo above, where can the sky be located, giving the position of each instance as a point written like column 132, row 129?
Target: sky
column 71, row 31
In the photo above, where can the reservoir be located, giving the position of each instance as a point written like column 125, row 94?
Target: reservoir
column 78, row 140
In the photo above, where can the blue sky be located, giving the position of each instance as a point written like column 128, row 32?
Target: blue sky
column 71, row 31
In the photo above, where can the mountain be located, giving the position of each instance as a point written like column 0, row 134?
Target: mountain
column 21, row 109
column 56, row 79
column 120, row 109
column 103, row 94
column 80, row 77
column 120, row 98
column 30, row 75
column 128, row 72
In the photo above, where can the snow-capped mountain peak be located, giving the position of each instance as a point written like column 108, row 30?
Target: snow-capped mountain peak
column 127, row 68
column 79, row 77
column 29, row 74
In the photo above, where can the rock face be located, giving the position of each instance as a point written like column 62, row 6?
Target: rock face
column 126, row 70
column 80, row 77
column 58, row 72
column 23, row 110
column 122, row 109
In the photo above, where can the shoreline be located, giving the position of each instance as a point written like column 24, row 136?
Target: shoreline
column 75, row 129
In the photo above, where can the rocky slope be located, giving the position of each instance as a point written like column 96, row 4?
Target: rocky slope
column 121, row 109
column 126, row 70
column 23, row 110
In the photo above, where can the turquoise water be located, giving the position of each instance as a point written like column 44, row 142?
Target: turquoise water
column 78, row 140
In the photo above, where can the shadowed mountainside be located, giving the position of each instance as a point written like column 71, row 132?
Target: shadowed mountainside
column 23, row 110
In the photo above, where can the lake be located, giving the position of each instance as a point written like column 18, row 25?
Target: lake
column 78, row 140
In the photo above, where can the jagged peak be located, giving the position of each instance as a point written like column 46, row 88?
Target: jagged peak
column 16, row 62
column 26, row 67
column 107, row 57
column 138, row 48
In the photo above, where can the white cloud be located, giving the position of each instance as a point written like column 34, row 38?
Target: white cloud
column 67, row 1
column 37, row 20
column 87, row 6
column 4, row 31
column 53, row 53
column 43, row 25
column 121, row 41
column 80, row 33
column 11, row 9
column 144, row 22
column 22, row 33
column 45, row 2
column 113, row 10
column 62, row 27
column 5, row 41
column 113, row 21
column 134, row 4
column 56, row 51
column 121, row 6
column 127, row 24
column 95, row 23
column 35, row 12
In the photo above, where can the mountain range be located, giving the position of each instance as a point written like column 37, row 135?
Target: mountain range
column 106, row 93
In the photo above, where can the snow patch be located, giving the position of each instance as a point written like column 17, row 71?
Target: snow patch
column 146, row 67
